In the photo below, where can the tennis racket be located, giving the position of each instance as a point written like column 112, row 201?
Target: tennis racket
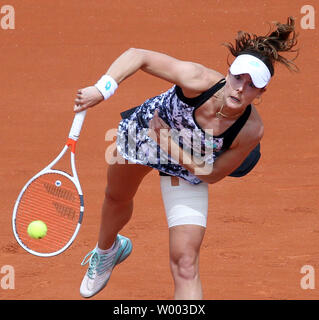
column 54, row 197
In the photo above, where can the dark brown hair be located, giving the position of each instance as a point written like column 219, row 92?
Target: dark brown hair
column 267, row 48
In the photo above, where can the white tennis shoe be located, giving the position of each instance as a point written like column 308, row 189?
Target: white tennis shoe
column 101, row 266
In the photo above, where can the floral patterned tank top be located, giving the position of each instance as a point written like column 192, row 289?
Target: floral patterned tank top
column 134, row 144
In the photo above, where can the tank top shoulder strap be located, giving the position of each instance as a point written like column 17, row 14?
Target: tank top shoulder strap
column 231, row 133
column 203, row 97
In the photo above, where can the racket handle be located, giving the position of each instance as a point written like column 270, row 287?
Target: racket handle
column 77, row 125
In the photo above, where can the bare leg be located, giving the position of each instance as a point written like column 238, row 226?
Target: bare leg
column 184, row 243
column 122, row 183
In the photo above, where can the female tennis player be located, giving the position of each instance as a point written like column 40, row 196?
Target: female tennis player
column 196, row 133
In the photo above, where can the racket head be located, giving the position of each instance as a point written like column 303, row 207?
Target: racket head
column 55, row 198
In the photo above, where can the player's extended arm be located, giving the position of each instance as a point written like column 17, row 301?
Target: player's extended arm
column 185, row 74
column 188, row 75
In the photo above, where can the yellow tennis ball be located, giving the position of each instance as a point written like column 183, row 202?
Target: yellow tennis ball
column 37, row 229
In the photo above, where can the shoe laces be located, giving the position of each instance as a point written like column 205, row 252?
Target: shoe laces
column 93, row 258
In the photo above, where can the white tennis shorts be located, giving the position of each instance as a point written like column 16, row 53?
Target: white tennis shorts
column 184, row 203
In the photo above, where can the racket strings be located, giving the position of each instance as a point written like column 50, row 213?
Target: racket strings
column 54, row 199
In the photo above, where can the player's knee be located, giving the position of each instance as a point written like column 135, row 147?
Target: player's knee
column 117, row 203
column 184, row 266
column 116, row 197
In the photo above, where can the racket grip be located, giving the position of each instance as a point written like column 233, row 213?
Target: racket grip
column 77, row 125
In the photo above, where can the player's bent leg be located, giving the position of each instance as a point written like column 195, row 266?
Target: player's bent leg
column 122, row 183
column 186, row 209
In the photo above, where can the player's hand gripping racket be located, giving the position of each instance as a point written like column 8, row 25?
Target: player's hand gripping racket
column 54, row 197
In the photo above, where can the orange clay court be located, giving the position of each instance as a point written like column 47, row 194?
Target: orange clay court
column 262, row 229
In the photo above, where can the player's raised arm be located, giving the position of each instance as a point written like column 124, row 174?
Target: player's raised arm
column 188, row 75
column 185, row 74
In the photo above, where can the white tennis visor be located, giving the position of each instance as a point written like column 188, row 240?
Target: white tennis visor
column 258, row 71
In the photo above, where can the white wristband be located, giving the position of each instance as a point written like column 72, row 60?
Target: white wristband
column 107, row 86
